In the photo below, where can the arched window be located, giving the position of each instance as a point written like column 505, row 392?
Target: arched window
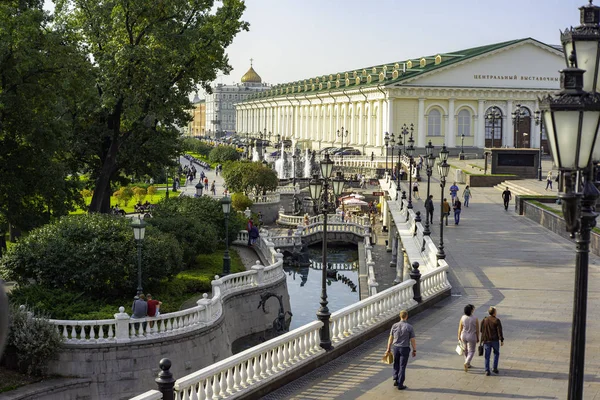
column 434, row 123
column 464, row 123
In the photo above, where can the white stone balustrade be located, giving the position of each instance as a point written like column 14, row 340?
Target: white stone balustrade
column 361, row 316
column 288, row 189
column 295, row 220
column 251, row 368
column 149, row 395
column 265, row 198
column 435, row 281
column 93, row 331
column 124, row 329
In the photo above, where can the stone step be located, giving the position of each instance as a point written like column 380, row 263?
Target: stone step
column 516, row 188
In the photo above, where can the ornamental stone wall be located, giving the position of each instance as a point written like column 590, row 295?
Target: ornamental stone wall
column 121, row 371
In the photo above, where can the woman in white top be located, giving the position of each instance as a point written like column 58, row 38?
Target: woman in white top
column 468, row 334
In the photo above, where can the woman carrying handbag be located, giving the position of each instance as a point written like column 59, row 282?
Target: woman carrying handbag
column 468, row 334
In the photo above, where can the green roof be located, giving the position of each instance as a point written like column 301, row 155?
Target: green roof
column 300, row 87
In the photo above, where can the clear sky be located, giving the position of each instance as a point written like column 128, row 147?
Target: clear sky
column 292, row 40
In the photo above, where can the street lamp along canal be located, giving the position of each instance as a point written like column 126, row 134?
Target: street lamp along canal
column 226, row 204
column 319, row 191
column 571, row 118
column 443, row 169
column 139, row 230
column 429, row 162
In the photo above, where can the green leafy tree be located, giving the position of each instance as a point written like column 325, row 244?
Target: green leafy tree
column 221, row 154
column 139, row 193
column 94, row 254
column 240, row 201
column 205, row 210
column 41, row 106
column 250, row 177
column 147, row 57
column 196, row 146
column 151, row 191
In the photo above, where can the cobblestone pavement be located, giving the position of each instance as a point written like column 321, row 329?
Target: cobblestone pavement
column 496, row 258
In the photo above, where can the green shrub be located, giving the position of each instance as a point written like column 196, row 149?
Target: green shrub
column 32, row 340
column 222, row 154
column 206, row 210
column 196, row 146
column 239, row 201
column 94, row 254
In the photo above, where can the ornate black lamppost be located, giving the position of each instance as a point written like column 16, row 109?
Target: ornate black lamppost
column 392, row 146
column 429, row 162
column 399, row 168
column 461, row 156
column 226, row 203
column 405, row 131
column 410, row 151
column 493, row 115
column 520, row 112
column 139, row 229
column 571, row 118
column 319, row 191
column 443, row 169
column 294, row 168
column 538, row 121
column 342, row 134
column 386, row 140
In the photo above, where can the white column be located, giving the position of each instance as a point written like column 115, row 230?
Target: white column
column 480, row 131
column 535, row 129
column 450, row 133
column 507, row 133
column 380, row 123
column 390, row 116
column 361, row 119
column 421, row 137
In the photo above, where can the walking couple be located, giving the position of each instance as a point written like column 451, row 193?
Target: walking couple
column 491, row 337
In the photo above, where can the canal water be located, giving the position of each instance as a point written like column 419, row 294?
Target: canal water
column 304, row 284
column 304, row 287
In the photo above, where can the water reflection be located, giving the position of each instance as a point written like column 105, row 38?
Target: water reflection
column 304, row 283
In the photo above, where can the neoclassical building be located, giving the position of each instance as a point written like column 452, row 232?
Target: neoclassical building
column 445, row 96
column 220, row 105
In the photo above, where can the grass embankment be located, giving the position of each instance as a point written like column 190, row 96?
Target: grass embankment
column 183, row 289
column 12, row 379
column 128, row 208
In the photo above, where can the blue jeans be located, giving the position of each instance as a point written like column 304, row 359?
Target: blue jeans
column 456, row 216
column 487, row 347
column 466, row 203
column 400, row 360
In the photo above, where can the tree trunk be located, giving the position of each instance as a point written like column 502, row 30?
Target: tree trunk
column 101, row 198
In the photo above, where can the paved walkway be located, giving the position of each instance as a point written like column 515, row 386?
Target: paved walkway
column 497, row 258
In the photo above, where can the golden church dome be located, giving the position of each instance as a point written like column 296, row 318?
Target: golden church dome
column 251, row 76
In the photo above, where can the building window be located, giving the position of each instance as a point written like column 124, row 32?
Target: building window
column 464, row 123
column 434, row 123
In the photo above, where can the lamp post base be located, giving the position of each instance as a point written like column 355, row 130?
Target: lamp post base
column 226, row 264
column 323, row 315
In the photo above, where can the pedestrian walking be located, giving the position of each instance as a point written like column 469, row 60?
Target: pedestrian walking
column 213, row 188
column 402, row 336
column 429, row 209
column 445, row 211
column 415, row 190
column 453, row 192
column 549, row 180
column 467, row 195
column 468, row 334
column 492, row 338
column 206, row 183
column 506, row 196
column 457, row 207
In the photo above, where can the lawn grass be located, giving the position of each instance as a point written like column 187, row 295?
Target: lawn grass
column 159, row 195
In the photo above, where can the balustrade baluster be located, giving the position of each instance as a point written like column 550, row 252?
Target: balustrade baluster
column 111, row 332
column 223, row 384
column 257, row 369
column 209, row 387
column 275, row 367
column 197, row 392
column 263, row 365
column 249, row 373
column 242, row 375
column 287, row 354
column 302, row 343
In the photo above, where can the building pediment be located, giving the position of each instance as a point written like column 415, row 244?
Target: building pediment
column 527, row 64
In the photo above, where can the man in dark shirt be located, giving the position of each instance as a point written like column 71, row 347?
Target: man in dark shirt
column 402, row 335
column 429, row 208
column 492, row 338
column 506, row 196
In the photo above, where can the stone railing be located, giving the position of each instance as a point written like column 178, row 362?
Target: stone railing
column 363, row 161
column 258, row 366
column 288, row 189
column 336, row 266
column 125, row 329
column 254, row 367
column 295, row 220
column 435, row 281
column 371, row 281
column 265, row 198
